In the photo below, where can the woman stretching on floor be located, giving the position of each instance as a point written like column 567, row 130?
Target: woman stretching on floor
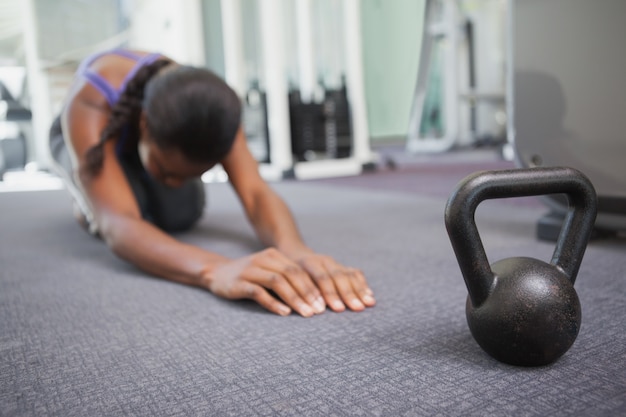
column 136, row 133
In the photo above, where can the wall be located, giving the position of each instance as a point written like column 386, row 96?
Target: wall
column 392, row 36
column 171, row 27
column 213, row 44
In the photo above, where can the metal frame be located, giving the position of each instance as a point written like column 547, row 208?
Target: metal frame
column 273, row 65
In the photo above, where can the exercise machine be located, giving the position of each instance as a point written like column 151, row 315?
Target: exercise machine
column 459, row 97
column 304, row 101
column 567, row 97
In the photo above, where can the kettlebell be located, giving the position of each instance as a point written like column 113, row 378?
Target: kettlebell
column 522, row 311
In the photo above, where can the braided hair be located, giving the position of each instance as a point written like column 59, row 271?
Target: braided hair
column 186, row 108
column 125, row 113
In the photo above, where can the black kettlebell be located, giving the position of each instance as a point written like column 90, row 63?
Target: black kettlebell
column 522, row 311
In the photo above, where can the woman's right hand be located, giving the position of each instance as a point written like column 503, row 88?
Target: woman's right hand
column 254, row 276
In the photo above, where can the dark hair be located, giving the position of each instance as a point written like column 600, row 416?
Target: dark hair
column 186, row 108
column 193, row 110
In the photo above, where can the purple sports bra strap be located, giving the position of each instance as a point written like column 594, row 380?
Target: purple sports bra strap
column 111, row 94
column 126, row 54
column 143, row 61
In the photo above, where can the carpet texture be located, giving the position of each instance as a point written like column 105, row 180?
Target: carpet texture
column 83, row 333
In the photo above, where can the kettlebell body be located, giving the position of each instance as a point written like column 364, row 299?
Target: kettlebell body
column 532, row 315
column 522, row 311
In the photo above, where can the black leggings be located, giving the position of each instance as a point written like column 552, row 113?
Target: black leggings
column 171, row 209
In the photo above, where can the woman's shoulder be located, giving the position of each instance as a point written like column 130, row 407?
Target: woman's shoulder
column 101, row 76
column 108, row 71
column 118, row 57
column 113, row 65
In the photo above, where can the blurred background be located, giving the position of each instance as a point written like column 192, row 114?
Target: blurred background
column 324, row 81
column 338, row 88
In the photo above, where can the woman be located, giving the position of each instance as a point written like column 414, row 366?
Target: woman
column 136, row 133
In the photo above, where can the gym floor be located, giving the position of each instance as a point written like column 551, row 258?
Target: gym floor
column 433, row 174
column 84, row 333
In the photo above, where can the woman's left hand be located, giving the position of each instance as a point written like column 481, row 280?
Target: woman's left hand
column 340, row 285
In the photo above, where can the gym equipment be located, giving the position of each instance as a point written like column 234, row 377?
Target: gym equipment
column 255, row 123
column 459, row 96
column 320, row 129
column 13, row 148
column 522, row 311
column 567, row 108
column 279, row 45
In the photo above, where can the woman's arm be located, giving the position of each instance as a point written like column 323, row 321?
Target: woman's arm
column 275, row 226
column 113, row 204
column 120, row 224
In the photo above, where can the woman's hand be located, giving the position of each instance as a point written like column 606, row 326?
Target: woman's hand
column 341, row 286
column 254, row 276
column 281, row 285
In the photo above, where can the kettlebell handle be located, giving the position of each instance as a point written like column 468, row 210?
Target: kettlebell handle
column 477, row 187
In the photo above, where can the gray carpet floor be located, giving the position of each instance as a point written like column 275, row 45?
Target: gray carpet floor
column 83, row 333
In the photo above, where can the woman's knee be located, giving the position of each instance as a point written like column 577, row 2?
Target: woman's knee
column 181, row 208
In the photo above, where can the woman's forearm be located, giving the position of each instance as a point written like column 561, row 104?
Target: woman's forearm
column 157, row 253
column 275, row 225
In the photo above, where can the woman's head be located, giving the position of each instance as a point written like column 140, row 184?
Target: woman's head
column 186, row 112
column 193, row 111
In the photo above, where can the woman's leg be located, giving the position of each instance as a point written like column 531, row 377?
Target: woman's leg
column 171, row 209
column 176, row 209
column 62, row 165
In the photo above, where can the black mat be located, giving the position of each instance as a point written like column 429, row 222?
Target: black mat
column 82, row 333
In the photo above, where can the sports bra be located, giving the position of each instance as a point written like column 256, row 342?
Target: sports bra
column 112, row 94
